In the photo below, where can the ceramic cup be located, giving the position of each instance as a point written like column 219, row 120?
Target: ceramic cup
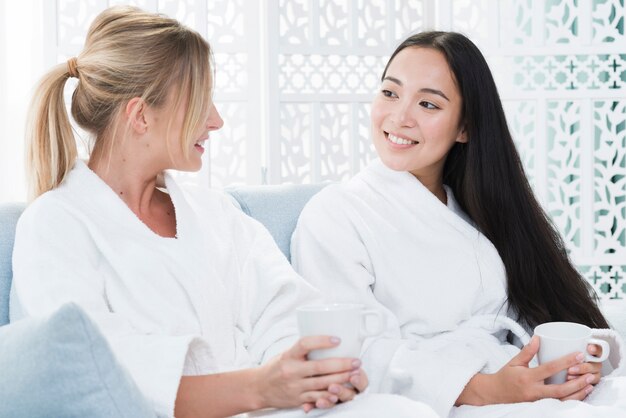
column 349, row 322
column 558, row 339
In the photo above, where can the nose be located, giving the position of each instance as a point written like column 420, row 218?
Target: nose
column 214, row 121
column 404, row 115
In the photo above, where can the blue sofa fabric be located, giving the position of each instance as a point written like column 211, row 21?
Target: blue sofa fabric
column 277, row 207
column 9, row 214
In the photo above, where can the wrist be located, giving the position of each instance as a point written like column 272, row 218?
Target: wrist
column 477, row 391
column 254, row 394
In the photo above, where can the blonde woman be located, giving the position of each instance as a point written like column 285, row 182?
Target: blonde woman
column 191, row 294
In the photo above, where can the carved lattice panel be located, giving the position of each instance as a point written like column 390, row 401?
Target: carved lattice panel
column 295, row 143
column 609, row 167
column 516, row 22
column 562, row 19
column 329, row 74
column 564, row 170
column 294, row 22
column 226, row 23
column 608, row 281
column 372, row 23
column 608, row 18
column 335, row 141
column 365, row 148
column 470, row 18
column 566, row 72
column 228, row 147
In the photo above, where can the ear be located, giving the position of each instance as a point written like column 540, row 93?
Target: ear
column 135, row 113
column 462, row 136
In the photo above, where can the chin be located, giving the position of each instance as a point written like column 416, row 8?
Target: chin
column 395, row 163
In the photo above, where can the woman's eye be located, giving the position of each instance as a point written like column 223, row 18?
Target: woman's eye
column 428, row 105
column 388, row 93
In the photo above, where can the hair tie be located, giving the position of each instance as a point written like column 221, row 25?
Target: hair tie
column 71, row 67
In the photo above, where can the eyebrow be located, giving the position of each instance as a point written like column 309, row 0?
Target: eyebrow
column 422, row 90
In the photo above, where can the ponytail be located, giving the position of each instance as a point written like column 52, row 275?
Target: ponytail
column 50, row 144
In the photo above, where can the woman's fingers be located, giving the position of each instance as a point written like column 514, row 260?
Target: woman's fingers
column 567, row 389
column 330, row 366
column 553, row 367
column 580, row 395
column 345, row 393
column 594, row 349
column 308, row 407
column 305, row 344
column 313, row 396
column 594, row 369
column 326, row 381
column 359, row 380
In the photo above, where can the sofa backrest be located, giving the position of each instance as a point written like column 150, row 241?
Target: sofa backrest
column 9, row 214
column 276, row 206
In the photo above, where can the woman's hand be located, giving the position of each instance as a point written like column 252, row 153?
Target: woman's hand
column 516, row 382
column 594, row 369
column 290, row 380
column 345, row 393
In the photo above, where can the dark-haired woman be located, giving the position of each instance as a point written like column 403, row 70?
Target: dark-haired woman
column 443, row 235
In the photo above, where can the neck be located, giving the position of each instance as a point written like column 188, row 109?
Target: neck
column 129, row 178
column 434, row 183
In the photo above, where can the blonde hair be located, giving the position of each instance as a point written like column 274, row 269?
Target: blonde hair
column 128, row 53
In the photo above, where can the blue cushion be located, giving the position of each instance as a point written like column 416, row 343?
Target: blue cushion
column 61, row 366
column 277, row 207
column 9, row 213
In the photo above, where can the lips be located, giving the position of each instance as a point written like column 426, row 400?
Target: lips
column 199, row 145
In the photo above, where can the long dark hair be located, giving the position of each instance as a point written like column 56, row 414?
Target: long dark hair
column 488, row 180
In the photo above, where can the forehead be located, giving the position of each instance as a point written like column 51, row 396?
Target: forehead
column 424, row 67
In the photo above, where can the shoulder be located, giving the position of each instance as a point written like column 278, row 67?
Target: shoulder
column 48, row 210
column 333, row 208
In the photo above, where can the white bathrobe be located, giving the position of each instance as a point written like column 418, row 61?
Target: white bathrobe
column 220, row 296
column 383, row 240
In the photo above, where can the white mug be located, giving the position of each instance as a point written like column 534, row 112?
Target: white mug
column 348, row 322
column 558, row 339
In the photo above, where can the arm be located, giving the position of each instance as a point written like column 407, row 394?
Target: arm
column 516, row 382
column 328, row 248
column 289, row 380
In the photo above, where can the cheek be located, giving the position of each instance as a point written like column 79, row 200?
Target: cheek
column 377, row 113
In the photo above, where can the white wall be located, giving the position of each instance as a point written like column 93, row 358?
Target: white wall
column 20, row 67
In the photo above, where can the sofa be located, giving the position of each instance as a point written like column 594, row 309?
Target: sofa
column 64, row 364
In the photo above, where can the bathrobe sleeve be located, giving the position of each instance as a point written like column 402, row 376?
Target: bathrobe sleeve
column 328, row 251
column 270, row 290
column 55, row 261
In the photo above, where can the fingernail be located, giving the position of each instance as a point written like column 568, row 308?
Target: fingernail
column 355, row 380
column 334, row 389
column 355, row 372
column 333, row 399
column 356, row 363
column 589, row 379
column 574, row 369
column 580, row 357
column 589, row 389
column 335, row 340
column 592, row 349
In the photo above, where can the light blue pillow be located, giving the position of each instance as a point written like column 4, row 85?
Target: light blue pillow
column 62, row 366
